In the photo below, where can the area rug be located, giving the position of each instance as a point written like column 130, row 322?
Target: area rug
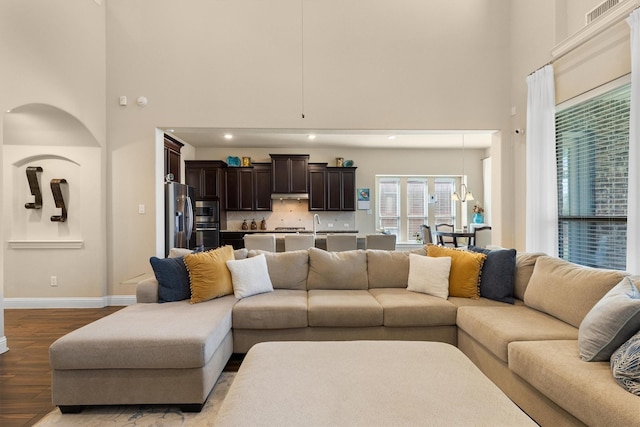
column 144, row 415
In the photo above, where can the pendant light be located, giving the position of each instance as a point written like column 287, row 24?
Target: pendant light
column 464, row 193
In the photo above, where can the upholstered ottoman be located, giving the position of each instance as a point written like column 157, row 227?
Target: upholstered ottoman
column 367, row 383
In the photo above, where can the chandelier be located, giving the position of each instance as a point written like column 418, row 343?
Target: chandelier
column 464, row 193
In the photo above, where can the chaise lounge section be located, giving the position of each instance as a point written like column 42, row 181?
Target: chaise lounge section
column 172, row 353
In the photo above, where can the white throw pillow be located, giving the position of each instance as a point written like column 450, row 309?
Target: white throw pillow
column 250, row 276
column 429, row 275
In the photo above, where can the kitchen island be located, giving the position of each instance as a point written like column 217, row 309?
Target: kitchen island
column 235, row 237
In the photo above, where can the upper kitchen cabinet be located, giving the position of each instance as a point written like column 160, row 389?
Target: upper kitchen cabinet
column 262, row 186
column 248, row 188
column 206, row 176
column 341, row 189
column 172, row 162
column 239, row 189
column 289, row 173
column 317, row 186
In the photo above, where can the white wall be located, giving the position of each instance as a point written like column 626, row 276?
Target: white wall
column 53, row 54
column 409, row 64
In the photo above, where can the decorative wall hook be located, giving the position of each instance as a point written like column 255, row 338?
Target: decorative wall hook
column 34, row 186
column 57, row 196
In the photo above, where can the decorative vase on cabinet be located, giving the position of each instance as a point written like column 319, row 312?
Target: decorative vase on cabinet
column 478, row 218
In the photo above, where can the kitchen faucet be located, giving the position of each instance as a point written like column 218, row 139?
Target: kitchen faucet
column 316, row 220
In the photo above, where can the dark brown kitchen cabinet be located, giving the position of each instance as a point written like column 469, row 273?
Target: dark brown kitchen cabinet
column 248, row 188
column 289, row 173
column 262, row 186
column 172, row 161
column 239, row 189
column 317, row 186
column 341, row 189
column 206, row 176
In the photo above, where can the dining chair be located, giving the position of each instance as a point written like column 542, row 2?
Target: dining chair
column 381, row 241
column 444, row 240
column 341, row 242
column 482, row 236
column 296, row 242
column 426, row 234
column 265, row 242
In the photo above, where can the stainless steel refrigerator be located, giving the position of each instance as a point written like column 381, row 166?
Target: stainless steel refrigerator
column 179, row 218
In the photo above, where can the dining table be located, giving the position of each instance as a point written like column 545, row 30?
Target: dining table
column 455, row 235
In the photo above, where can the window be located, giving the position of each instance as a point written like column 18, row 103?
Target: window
column 403, row 203
column 592, row 153
column 389, row 205
column 416, row 206
column 445, row 208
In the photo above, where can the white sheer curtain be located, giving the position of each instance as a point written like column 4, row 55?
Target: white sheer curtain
column 542, row 190
column 633, row 199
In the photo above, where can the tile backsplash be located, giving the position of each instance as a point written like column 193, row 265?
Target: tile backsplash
column 293, row 213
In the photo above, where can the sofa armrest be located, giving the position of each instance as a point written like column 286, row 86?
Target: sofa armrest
column 147, row 291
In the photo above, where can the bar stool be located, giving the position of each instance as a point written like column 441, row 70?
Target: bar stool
column 296, row 242
column 381, row 241
column 341, row 242
column 264, row 242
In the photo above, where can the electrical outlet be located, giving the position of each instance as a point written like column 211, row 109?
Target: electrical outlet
column 53, row 280
column 142, row 209
column 346, row 225
column 330, row 225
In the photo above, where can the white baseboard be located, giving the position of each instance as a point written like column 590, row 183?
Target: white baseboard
column 70, row 302
column 3, row 345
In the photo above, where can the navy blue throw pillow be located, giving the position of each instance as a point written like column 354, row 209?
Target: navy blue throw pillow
column 173, row 278
column 498, row 274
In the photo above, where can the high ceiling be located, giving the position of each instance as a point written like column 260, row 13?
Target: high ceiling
column 295, row 138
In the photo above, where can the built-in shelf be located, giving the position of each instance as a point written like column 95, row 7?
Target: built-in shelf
column 46, row 244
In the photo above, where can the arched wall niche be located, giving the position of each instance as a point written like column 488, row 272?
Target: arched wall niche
column 45, row 125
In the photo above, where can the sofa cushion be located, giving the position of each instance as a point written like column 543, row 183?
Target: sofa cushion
column 249, row 276
column 337, row 270
column 566, row 290
column 287, row 270
column 465, row 270
column 344, row 308
column 173, row 278
column 209, row 276
column 172, row 335
column 625, row 365
column 496, row 327
column 280, row 309
column 429, row 275
column 403, row 308
column 612, row 321
column 498, row 273
column 387, row 269
column 524, row 269
column 586, row 390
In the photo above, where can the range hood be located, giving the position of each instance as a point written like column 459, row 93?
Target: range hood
column 290, row 196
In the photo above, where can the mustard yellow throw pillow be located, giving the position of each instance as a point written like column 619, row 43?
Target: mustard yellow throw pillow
column 465, row 270
column 209, row 276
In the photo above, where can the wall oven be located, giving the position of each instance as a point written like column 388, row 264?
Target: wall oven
column 207, row 224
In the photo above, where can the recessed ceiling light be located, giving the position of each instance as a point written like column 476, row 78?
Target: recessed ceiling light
column 391, row 137
column 228, row 136
column 312, row 136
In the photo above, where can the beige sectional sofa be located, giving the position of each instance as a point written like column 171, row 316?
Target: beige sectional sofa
column 173, row 352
